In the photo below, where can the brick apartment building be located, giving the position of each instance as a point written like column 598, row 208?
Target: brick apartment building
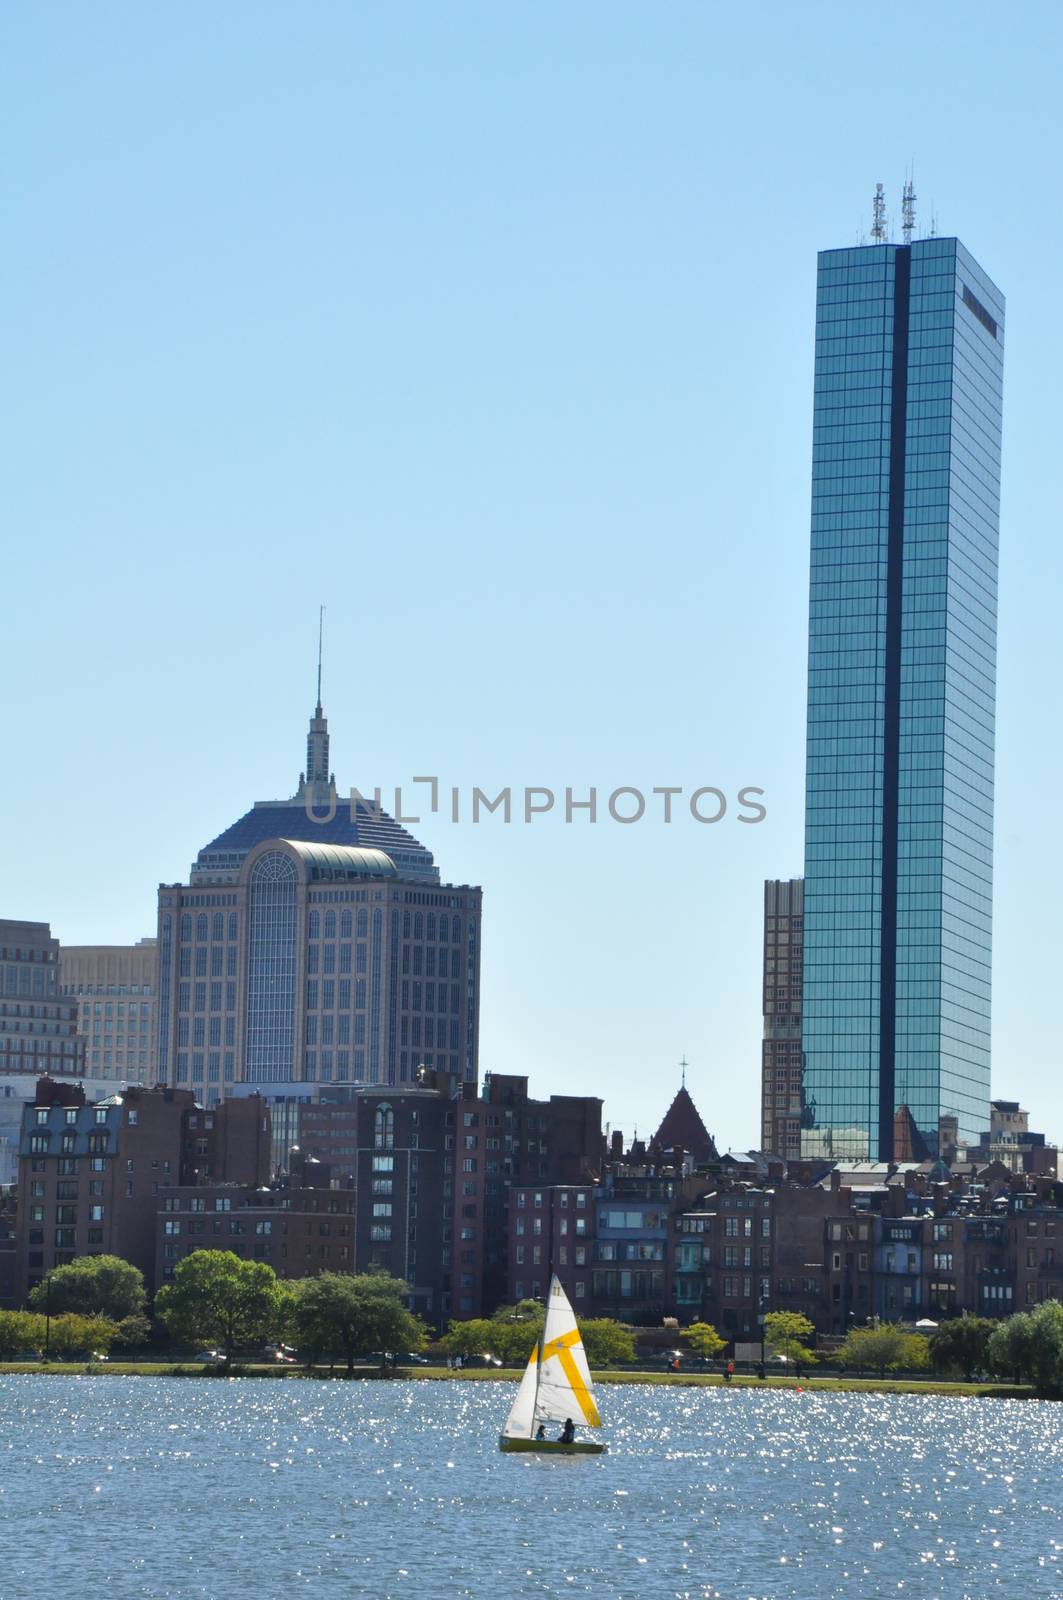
column 433, row 1204
column 90, row 1175
column 540, row 1142
column 552, row 1229
column 299, row 1230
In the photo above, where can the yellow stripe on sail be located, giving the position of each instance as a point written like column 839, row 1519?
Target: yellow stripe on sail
column 561, row 1347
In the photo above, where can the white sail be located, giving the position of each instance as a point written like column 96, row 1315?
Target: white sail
column 521, row 1423
column 565, row 1388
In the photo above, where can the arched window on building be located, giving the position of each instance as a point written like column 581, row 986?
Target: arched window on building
column 384, row 1128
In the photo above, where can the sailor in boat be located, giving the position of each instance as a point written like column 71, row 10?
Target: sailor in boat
column 556, row 1381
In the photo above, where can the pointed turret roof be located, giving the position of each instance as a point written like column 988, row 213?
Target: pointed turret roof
column 908, row 1142
column 683, row 1128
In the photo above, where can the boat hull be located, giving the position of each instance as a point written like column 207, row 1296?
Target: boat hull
column 550, row 1447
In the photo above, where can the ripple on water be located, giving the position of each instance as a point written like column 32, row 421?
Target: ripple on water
column 185, row 1489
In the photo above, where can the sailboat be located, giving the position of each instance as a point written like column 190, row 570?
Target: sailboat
column 556, row 1387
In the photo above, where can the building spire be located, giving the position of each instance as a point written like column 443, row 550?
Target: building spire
column 317, row 781
column 320, row 643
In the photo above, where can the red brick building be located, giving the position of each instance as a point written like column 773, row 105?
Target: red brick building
column 552, row 1229
column 299, row 1232
column 90, row 1175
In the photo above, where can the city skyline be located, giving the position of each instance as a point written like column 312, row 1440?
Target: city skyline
column 531, row 415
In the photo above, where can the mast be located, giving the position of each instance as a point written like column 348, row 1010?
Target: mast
column 538, row 1369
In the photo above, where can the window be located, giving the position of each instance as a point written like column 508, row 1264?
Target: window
column 384, row 1127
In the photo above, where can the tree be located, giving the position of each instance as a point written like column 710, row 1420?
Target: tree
column 787, row 1327
column 606, row 1341
column 516, row 1330
column 915, row 1353
column 94, row 1286
column 133, row 1331
column 354, row 1314
column 20, row 1333
column 24, row 1333
column 1029, row 1345
column 962, row 1345
column 704, row 1340
column 879, row 1347
column 72, row 1335
column 218, row 1298
column 476, row 1337
column 786, row 1333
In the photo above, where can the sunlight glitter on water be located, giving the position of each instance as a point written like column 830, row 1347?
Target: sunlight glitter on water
column 181, row 1489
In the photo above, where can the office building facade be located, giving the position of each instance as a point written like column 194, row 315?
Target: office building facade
column 114, row 988
column 38, row 1024
column 902, row 641
column 315, row 942
column 780, row 1067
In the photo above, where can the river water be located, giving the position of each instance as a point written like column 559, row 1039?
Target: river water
column 254, row 1489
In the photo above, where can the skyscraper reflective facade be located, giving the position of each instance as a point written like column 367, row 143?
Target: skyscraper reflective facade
column 902, row 648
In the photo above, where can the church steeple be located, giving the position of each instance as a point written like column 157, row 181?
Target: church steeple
column 317, row 779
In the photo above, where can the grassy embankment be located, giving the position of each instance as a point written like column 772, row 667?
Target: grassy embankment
column 682, row 1380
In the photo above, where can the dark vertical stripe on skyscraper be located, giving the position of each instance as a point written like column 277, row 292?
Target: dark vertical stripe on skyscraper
column 892, row 706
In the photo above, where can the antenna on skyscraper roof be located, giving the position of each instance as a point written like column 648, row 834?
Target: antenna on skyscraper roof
column 320, row 643
column 878, row 216
column 908, row 211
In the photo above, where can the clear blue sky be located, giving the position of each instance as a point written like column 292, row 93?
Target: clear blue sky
column 491, row 326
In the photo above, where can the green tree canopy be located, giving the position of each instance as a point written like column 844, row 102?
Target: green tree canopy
column 93, row 1286
column 218, row 1298
column 783, row 1328
column 23, row 1333
column 704, row 1340
column 962, row 1346
column 880, row 1347
column 355, row 1314
column 476, row 1337
column 20, row 1333
column 606, row 1341
column 516, row 1330
column 512, row 1333
column 1029, row 1346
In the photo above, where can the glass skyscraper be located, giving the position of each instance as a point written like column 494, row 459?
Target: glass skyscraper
column 901, row 684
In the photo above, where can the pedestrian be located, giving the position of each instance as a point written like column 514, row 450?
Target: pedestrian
column 729, row 1372
column 762, row 1372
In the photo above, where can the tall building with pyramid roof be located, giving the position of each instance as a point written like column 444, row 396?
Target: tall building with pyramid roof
column 314, row 942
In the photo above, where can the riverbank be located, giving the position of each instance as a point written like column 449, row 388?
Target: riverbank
column 680, row 1380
